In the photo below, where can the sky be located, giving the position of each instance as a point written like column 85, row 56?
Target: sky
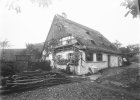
column 33, row 23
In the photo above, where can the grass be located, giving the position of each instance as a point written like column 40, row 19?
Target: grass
column 81, row 89
column 127, row 76
column 85, row 90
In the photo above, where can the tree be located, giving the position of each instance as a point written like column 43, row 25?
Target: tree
column 16, row 4
column 117, row 44
column 124, row 50
column 31, row 49
column 135, row 48
column 133, row 7
column 3, row 45
column 130, row 52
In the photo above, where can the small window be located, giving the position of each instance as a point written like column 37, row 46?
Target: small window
column 93, row 42
column 89, row 56
column 69, row 41
column 70, row 55
column 88, row 33
column 99, row 57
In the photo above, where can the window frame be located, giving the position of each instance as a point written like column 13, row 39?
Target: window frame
column 91, row 57
column 69, row 55
column 99, row 57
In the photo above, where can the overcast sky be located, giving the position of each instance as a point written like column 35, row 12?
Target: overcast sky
column 33, row 23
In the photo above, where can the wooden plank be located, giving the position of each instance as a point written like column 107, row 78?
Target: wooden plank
column 51, row 79
column 24, row 83
column 27, row 80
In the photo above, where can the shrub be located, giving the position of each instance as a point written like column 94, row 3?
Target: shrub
column 7, row 69
column 126, row 63
column 43, row 65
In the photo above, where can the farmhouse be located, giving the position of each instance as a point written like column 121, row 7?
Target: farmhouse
column 82, row 48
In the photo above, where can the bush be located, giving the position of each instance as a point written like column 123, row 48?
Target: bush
column 43, row 65
column 11, row 68
column 7, row 69
column 126, row 63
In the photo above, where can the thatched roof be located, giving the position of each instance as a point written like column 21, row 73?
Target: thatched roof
column 89, row 38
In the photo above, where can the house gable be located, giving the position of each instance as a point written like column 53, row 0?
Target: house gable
column 89, row 38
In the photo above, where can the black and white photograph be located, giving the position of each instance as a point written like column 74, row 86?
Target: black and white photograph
column 69, row 49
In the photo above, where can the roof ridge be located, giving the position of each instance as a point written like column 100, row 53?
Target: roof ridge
column 82, row 26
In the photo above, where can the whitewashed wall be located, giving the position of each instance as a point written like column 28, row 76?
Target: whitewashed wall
column 94, row 65
column 84, row 66
column 97, row 65
column 114, row 61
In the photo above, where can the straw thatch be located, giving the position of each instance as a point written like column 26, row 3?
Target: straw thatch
column 89, row 38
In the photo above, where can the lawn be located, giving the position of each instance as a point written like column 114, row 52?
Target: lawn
column 85, row 90
column 123, row 77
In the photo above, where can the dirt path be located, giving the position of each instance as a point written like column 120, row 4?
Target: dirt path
column 84, row 90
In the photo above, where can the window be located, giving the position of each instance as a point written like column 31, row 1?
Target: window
column 70, row 55
column 59, row 57
column 69, row 41
column 66, row 40
column 60, row 42
column 89, row 56
column 87, row 33
column 99, row 57
column 93, row 42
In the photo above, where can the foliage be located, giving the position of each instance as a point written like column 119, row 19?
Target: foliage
column 117, row 44
column 11, row 68
column 42, row 3
column 7, row 68
column 129, row 52
column 21, row 66
column 53, row 43
column 32, row 50
column 17, row 4
column 73, row 60
column 43, row 65
column 4, row 44
column 133, row 7
column 134, row 48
